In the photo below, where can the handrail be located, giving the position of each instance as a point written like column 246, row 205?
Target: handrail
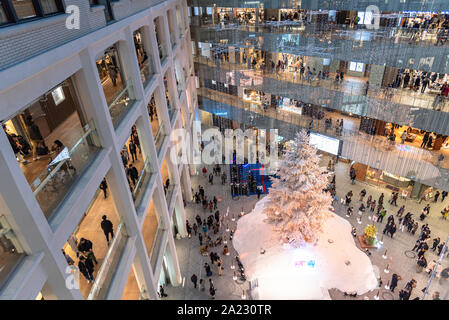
column 60, row 164
column 139, row 180
column 98, row 284
column 114, row 102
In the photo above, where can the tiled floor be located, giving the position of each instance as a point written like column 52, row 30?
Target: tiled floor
column 191, row 261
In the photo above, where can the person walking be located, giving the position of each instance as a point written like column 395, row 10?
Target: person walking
column 202, row 285
column 200, row 237
column 162, row 292
column 401, row 211
column 443, row 195
column 188, row 228
column 215, row 202
column 194, row 280
column 133, row 174
column 107, row 227
column 86, row 268
column 207, row 268
column 104, row 187
column 436, row 242
column 352, row 175
column 394, row 281
column 425, row 139
column 86, row 247
column 195, row 228
column 220, row 267
column 133, row 150
column 437, row 194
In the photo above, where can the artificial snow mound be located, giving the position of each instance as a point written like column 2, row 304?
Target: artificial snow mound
column 306, row 273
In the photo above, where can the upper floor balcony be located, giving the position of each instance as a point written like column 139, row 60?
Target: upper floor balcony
column 404, row 159
column 396, row 47
column 403, row 106
column 411, row 5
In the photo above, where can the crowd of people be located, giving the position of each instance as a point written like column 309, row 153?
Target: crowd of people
column 129, row 158
column 404, row 222
column 83, row 250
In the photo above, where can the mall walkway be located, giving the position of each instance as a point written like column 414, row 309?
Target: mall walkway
column 350, row 132
column 192, row 262
column 351, row 85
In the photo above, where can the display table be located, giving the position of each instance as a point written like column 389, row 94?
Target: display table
column 364, row 245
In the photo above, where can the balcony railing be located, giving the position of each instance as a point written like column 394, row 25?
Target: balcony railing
column 156, row 247
column 142, row 183
column 53, row 185
column 146, row 72
column 402, row 159
column 338, row 31
column 273, row 79
column 108, row 267
column 160, row 137
column 169, row 194
column 121, row 104
column 162, row 52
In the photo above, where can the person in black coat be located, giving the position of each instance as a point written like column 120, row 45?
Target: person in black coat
column 86, row 267
column 394, row 281
column 86, row 247
column 107, row 227
column 194, row 279
column 104, row 187
column 133, row 150
column 133, row 174
column 35, row 135
column 207, row 268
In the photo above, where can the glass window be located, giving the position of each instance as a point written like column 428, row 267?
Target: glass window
column 49, row 6
column 3, row 16
column 24, row 8
column 356, row 66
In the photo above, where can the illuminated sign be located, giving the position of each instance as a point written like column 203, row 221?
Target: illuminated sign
column 325, row 143
column 305, row 263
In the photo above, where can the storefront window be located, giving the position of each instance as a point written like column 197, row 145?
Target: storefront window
column 49, row 6
column 3, row 16
column 24, row 8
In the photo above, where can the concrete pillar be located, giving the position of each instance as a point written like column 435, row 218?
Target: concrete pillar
column 23, row 213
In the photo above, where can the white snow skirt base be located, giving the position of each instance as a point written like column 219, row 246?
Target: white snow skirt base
column 306, row 273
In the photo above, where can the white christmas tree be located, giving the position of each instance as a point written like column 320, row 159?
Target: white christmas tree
column 297, row 204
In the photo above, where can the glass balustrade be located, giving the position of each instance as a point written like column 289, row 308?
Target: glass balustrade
column 142, row 183
column 109, row 266
column 335, row 31
column 160, row 137
column 273, row 82
column 146, row 72
column 156, row 247
column 169, row 194
column 289, row 123
column 53, row 184
column 11, row 252
column 121, row 104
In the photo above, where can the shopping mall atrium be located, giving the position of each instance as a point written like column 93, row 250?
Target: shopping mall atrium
column 224, row 149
